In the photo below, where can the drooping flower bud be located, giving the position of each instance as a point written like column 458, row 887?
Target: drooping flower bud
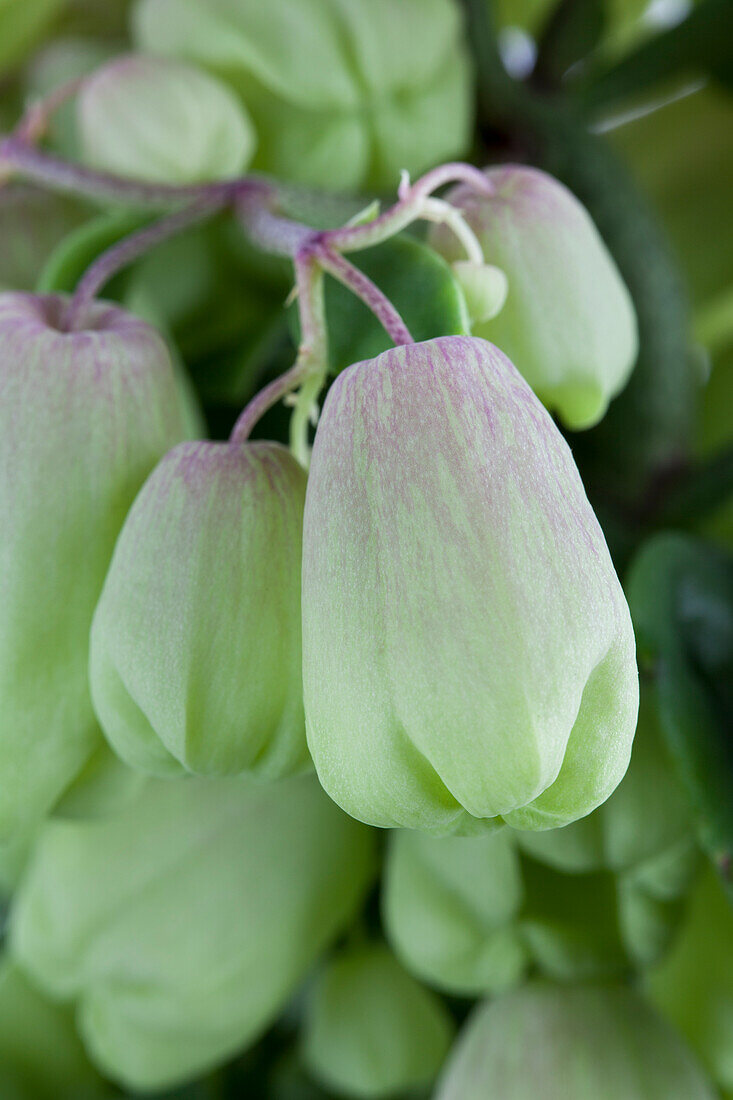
column 84, row 416
column 371, row 1030
column 450, row 908
column 167, row 121
column 196, row 642
column 693, row 985
column 181, row 925
column 571, row 1043
column 467, row 650
column 568, row 323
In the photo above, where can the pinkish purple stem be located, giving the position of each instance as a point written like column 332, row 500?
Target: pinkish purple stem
column 37, row 116
column 369, row 293
column 77, row 179
column 126, row 251
column 353, row 238
column 313, row 346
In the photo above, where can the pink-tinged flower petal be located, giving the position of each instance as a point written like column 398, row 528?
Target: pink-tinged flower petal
column 468, row 653
column 196, row 642
column 84, row 416
column 568, row 323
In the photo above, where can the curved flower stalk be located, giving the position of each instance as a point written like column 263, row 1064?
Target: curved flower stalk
column 256, row 201
column 85, row 417
column 468, row 655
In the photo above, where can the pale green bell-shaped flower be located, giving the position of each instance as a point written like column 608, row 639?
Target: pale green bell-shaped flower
column 468, row 655
column 158, row 119
column 84, row 417
column 196, row 641
column 693, row 984
column 371, row 1029
column 41, row 1055
column 182, row 925
column 571, row 1043
column 568, row 323
column 342, row 95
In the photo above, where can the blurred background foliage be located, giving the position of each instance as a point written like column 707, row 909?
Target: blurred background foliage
column 630, row 103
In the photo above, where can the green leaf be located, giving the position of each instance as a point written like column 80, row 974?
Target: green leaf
column 680, row 592
column 573, row 30
column 681, row 154
column 418, row 282
column 699, row 45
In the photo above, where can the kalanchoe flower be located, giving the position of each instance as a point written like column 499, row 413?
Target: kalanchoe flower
column 342, row 95
column 182, row 925
column 468, row 655
column 84, row 416
column 371, row 1029
column 163, row 120
column 571, row 1043
column 568, row 323
column 196, row 642
column 450, row 908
